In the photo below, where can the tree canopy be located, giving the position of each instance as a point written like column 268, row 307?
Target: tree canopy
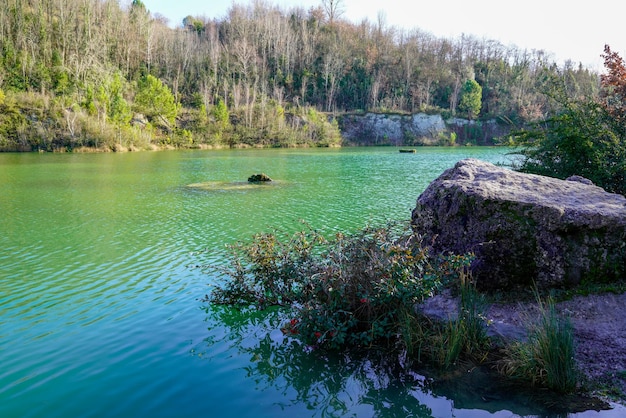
column 155, row 100
column 258, row 59
column 586, row 136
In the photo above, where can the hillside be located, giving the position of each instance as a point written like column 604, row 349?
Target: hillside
column 89, row 73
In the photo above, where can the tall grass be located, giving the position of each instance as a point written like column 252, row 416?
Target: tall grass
column 472, row 307
column 447, row 345
column 463, row 337
column 547, row 357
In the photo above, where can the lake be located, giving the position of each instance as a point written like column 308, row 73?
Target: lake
column 100, row 293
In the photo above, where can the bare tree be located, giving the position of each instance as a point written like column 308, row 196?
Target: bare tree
column 334, row 9
column 332, row 67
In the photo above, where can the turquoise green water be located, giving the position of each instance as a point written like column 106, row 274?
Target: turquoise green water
column 99, row 300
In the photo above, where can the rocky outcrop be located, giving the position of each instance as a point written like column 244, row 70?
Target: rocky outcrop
column 417, row 129
column 391, row 129
column 259, row 178
column 524, row 228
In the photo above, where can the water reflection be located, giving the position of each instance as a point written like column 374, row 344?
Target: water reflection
column 327, row 384
column 369, row 383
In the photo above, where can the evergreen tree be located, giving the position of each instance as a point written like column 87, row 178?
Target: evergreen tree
column 471, row 99
column 155, row 100
column 220, row 114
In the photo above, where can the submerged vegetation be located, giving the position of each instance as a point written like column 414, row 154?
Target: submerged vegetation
column 364, row 291
column 112, row 75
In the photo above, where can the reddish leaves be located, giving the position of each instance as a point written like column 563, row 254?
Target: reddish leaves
column 614, row 84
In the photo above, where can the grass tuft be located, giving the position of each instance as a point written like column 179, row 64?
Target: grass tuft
column 547, row 358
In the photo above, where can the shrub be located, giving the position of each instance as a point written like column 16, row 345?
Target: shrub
column 268, row 272
column 350, row 290
column 370, row 281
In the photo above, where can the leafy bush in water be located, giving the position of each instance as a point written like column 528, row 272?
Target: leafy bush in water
column 268, row 272
column 361, row 290
column 354, row 290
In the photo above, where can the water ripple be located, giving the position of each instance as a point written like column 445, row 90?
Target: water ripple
column 99, row 309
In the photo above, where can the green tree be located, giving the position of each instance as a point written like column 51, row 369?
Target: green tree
column 471, row 99
column 191, row 23
column 220, row 114
column 89, row 102
column 138, row 4
column 101, row 102
column 119, row 111
column 155, row 100
column 582, row 139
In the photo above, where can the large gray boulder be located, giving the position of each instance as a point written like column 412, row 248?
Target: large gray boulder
column 524, row 228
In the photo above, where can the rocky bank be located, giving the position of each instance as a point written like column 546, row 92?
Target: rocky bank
column 417, row 129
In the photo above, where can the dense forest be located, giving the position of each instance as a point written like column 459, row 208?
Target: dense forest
column 111, row 75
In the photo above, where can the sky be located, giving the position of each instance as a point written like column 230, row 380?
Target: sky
column 566, row 29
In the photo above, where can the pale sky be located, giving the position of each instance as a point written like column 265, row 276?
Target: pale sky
column 567, row 29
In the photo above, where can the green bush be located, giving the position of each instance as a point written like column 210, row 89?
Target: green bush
column 371, row 281
column 350, row 290
column 584, row 137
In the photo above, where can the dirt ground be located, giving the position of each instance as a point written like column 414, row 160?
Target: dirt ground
column 600, row 331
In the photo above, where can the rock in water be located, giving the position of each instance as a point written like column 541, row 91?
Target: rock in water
column 259, row 178
column 524, row 228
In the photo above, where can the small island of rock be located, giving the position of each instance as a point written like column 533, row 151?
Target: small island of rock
column 259, row 178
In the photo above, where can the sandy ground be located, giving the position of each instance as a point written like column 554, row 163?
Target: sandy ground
column 600, row 330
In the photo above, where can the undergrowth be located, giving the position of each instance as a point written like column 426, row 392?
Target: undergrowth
column 362, row 290
column 348, row 290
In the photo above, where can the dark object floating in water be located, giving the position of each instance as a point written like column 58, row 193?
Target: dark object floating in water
column 408, row 150
column 259, row 178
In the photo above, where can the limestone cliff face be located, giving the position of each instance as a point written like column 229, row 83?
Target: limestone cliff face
column 391, row 129
column 416, row 129
column 524, row 228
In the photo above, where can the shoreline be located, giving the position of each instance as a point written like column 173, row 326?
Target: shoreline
column 207, row 147
column 599, row 335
